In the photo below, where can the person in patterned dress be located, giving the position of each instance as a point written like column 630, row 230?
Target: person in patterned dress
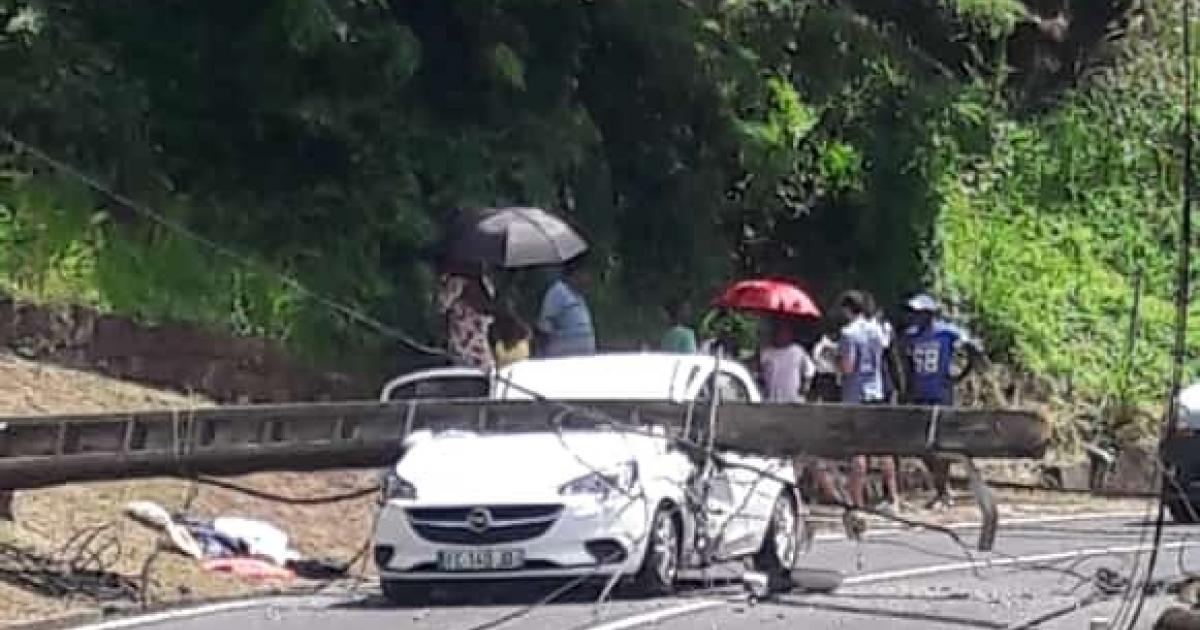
column 464, row 300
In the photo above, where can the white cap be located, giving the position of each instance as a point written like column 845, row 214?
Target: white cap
column 923, row 303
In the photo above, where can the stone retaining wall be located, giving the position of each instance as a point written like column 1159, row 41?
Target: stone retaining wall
column 178, row 356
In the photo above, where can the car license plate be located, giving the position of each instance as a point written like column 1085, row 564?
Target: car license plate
column 481, row 560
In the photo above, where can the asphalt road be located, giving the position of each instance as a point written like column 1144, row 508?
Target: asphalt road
column 904, row 579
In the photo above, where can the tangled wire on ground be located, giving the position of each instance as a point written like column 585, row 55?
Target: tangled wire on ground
column 80, row 568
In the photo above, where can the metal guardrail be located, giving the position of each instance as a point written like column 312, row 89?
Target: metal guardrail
column 48, row 450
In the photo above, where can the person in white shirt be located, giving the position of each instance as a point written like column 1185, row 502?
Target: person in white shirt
column 787, row 372
column 786, row 368
column 826, row 385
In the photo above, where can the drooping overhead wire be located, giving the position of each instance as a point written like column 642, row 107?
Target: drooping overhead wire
column 357, row 316
column 349, row 312
column 1182, row 301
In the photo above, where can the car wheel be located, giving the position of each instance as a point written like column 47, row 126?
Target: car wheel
column 403, row 593
column 781, row 542
column 660, row 566
column 1181, row 511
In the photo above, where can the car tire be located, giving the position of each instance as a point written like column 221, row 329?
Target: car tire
column 1181, row 512
column 660, row 565
column 403, row 593
column 781, row 542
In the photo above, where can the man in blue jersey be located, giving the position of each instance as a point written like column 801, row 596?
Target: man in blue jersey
column 928, row 347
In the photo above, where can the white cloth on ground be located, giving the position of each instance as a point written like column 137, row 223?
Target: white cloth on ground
column 260, row 539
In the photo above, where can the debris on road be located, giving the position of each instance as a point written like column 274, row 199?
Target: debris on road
column 155, row 517
column 810, row 580
column 222, row 537
column 236, row 536
column 249, row 568
column 758, row 585
column 1178, row 618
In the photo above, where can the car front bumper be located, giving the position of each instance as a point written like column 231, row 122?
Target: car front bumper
column 584, row 532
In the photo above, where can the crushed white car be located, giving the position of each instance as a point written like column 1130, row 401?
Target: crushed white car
column 595, row 502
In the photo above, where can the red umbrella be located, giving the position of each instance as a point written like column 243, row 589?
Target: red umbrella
column 774, row 297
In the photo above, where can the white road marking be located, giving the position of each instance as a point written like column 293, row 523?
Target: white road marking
column 993, row 563
column 1065, row 518
column 188, row 613
column 655, row 616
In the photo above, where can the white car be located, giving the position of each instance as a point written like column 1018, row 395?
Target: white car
column 599, row 502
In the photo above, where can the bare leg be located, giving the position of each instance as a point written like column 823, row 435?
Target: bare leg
column 858, row 480
column 939, row 469
column 829, row 487
column 826, row 487
column 890, row 487
column 825, row 483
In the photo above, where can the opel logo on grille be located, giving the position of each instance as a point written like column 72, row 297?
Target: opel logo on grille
column 479, row 520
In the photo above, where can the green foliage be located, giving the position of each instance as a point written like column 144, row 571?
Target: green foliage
column 845, row 144
column 998, row 17
column 1042, row 231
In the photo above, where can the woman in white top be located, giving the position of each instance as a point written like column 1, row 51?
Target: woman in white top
column 787, row 373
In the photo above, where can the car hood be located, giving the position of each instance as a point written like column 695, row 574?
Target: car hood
column 469, row 468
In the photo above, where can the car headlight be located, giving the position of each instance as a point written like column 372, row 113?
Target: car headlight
column 603, row 483
column 394, row 486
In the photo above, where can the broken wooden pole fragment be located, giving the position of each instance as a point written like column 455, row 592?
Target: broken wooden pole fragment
column 1178, row 618
column 50, row 450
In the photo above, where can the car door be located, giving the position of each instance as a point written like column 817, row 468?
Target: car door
column 752, row 494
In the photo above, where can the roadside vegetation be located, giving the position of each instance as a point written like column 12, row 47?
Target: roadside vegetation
column 1020, row 158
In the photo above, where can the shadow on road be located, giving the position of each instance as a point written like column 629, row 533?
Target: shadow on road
column 522, row 593
column 883, row 597
column 1167, row 524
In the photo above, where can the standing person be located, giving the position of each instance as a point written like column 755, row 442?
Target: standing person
column 928, row 347
column 826, row 385
column 464, row 300
column 724, row 339
column 877, row 317
column 860, row 356
column 680, row 338
column 565, row 323
column 512, row 338
column 787, row 372
column 786, row 368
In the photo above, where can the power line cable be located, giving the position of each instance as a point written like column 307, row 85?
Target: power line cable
column 703, row 449
column 349, row 312
column 1182, row 300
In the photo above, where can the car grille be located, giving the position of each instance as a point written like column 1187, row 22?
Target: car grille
column 504, row 523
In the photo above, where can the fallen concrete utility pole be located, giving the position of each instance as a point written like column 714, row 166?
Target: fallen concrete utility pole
column 50, row 450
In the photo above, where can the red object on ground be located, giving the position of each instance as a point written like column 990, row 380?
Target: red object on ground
column 774, row 297
column 249, row 568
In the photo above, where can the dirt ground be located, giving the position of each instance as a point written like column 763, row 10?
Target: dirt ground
column 47, row 518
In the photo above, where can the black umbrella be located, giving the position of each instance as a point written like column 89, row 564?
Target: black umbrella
column 512, row 237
